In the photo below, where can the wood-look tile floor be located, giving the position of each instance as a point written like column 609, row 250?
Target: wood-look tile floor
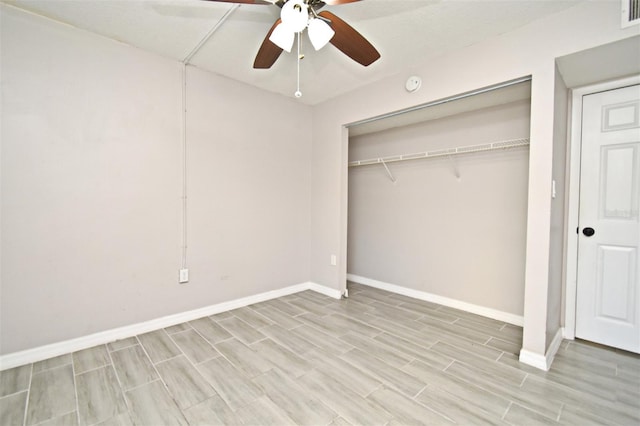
column 375, row 358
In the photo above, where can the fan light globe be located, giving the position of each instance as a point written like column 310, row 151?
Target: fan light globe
column 320, row 33
column 282, row 37
column 295, row 15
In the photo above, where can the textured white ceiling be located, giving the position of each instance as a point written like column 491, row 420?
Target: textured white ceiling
column 405, row 32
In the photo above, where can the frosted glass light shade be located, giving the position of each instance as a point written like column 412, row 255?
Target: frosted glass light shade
column 320, row 33
column 282, row 37
column 295, row 15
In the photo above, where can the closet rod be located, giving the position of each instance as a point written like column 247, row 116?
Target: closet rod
column 512, row 143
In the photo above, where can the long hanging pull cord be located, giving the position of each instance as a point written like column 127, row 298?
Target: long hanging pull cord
column 298, row 93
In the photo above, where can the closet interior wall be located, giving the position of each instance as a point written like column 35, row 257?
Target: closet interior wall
column 452, row 227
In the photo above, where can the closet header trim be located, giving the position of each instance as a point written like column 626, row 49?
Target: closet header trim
column 442, row 101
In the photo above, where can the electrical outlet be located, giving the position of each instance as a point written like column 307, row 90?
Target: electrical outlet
column 334, row 260
column 184, row 276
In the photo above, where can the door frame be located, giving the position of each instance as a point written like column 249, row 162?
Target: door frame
column 573, row 195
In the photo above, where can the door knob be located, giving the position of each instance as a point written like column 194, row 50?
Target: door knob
column 588, row 232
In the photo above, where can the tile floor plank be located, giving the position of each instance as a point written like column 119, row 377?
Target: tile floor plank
column 406, row 410
column 307, row 306
column 518, row 415
column 352, row 325
column 213, row 411
column 588, row 404
column 542, row 404
column 178, row 328
column 322, row 340
column 210, row 330
column 282, row 357
column 15, row 380
column 341, row 372
column 90, row 359
column 456, row 409
column 244, row 358
column 99, row 395
column 300, row 406
column 184, row 382
column 278, row 317
column 378, row 349
column 151, row 405
column 68, row 419
column 50, row 363
column 289, row 339
column 384, row 309
column 349, row 405
column 133, row 367
column 251, row 317
column 467, row 395
column 415, row 350
column 52, row 393
column 453, row 329
column 122, row 343
column 220, row 316
column 315, row 297
column 123, row 419
column 281, row 305
column 194, row 346
column 321, row 324
column 241, row 330
column 400, row 330
column 339, row 421
column 12, row 408
column 231, row 384
column 158, row 346
column 263, row 412
column 388, row 374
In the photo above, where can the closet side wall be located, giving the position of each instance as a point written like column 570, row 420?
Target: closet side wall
column 557, row 233
column 452, row 227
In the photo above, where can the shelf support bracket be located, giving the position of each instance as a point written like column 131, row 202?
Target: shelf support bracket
column 388, row 171
column 454, row 164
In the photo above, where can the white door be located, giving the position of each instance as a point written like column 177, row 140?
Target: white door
column 608, row 294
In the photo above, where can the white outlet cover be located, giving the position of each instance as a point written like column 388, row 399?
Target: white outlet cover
column 184, row 276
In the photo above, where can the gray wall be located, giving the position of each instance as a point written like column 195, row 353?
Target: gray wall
column 457, row 237
column 91, row 186
column 557, row 232
column 461, row 238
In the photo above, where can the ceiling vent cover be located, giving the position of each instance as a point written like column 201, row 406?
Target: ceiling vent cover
column 630, row 12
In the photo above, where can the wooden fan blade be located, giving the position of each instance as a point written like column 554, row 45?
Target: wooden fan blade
column 268, row 52
column 351, row 42
column 334, row 2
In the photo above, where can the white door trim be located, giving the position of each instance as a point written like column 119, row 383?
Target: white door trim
column 573, row 191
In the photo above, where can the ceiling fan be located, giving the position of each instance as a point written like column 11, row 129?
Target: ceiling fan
column 322, row 27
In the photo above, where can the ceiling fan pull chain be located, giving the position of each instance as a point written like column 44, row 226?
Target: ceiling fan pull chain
column 298, row 93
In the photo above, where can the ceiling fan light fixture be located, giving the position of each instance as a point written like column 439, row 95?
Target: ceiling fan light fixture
column 282, row 36
column 320, row 33
column 295, row 15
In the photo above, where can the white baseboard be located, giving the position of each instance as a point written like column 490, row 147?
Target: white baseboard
column 331, row 292
column 543, row 362
column 429, row 297
column 48, row 351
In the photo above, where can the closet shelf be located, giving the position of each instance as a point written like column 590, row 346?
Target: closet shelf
column 512, row 143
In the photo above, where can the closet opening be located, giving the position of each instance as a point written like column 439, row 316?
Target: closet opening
column 437, row 201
